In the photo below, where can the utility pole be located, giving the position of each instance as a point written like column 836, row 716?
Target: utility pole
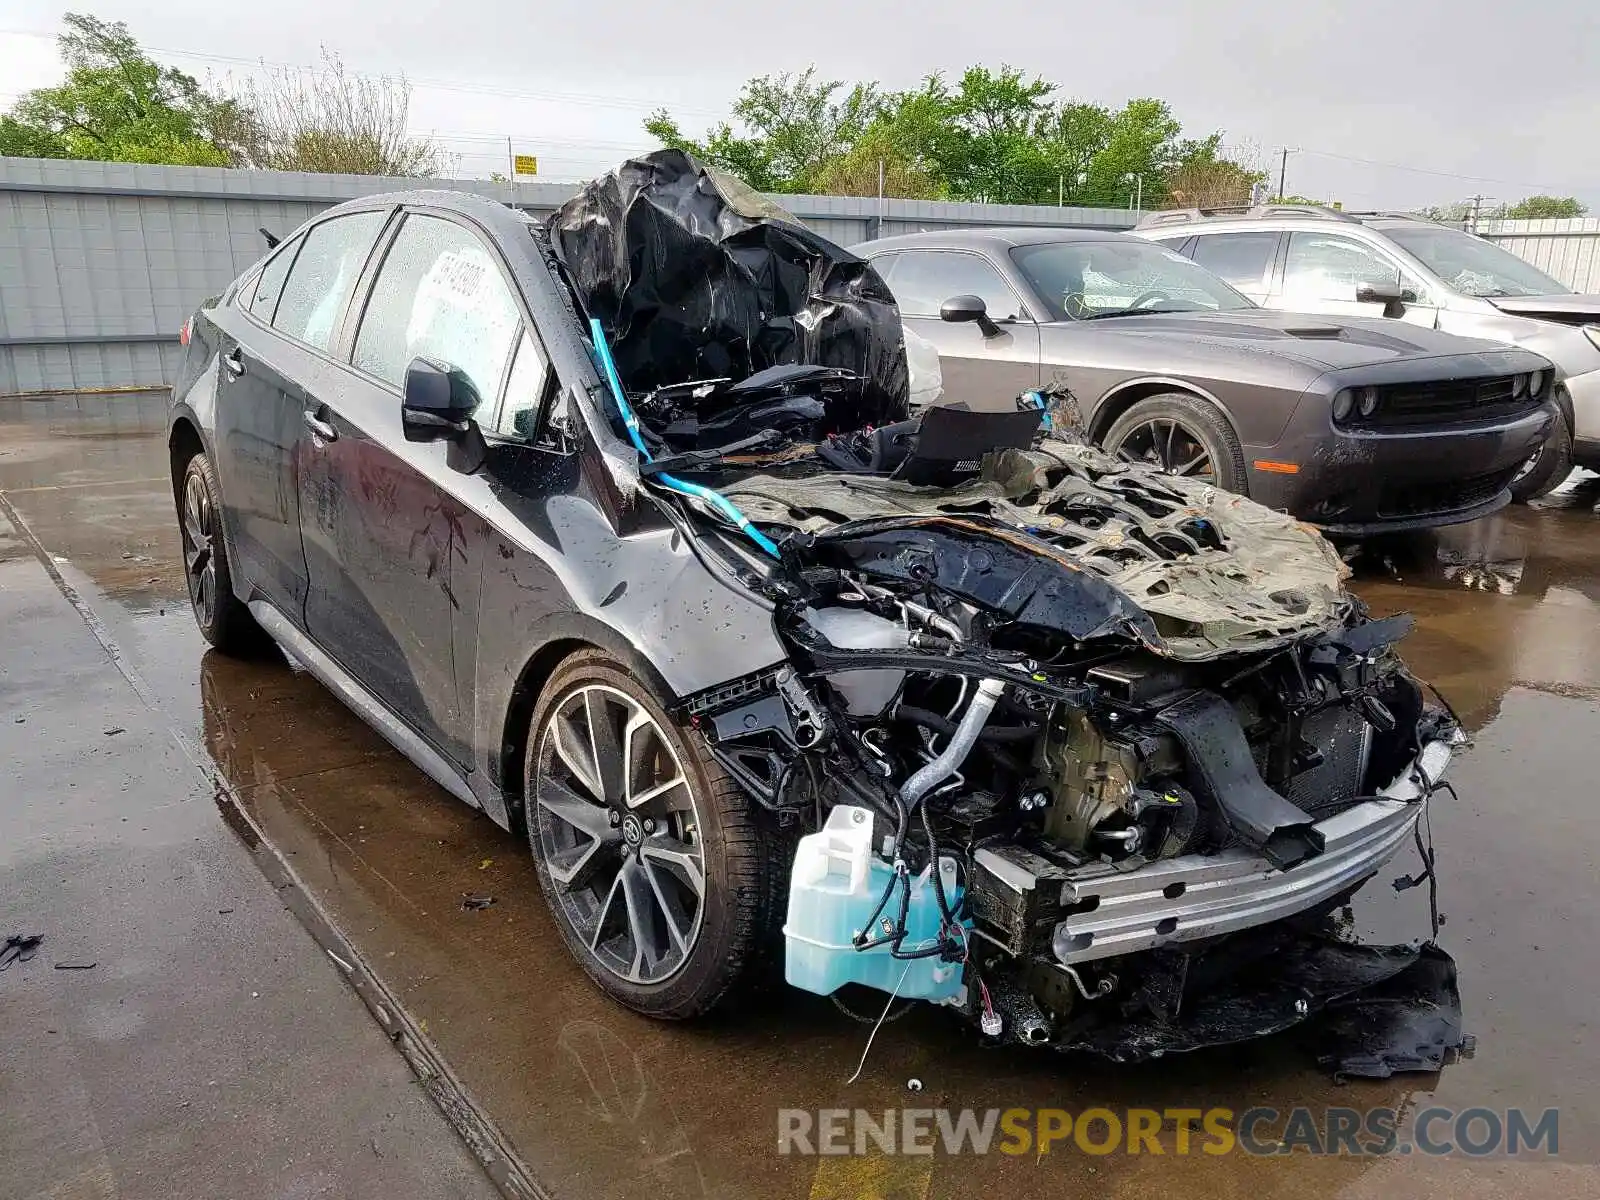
column 511, row 162
column 877, row 231
column 1477, row 211
column 1283, row 172
column 1061, row 190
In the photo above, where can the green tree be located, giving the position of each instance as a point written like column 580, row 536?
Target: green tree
column 748, row 158
column 999, row 136
column 117, row 104
column 1203, row 178
column 996, row 151
column 1546, row 206
column 1141, row 145
column 797, row 125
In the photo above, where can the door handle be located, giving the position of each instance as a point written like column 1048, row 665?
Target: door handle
column 233, row 360
column 319, row 427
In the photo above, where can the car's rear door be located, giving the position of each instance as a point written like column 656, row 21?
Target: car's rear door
column 274, row 343
column 383, row 530
column 986, row 372
column 1244, row 259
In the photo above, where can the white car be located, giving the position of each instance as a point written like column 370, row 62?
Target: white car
column 1313, row 259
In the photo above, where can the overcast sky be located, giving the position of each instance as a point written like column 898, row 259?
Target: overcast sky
column 1439, row 99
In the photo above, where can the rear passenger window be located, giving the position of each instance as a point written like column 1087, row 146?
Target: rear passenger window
column 1243, row 259
column 438, row 295
column 270, row 282
column 324, row 274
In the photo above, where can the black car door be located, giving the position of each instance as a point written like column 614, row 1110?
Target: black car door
column 384, row 536
column 257, row 426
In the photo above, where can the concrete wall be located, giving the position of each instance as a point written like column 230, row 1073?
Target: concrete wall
column 1566, row 249
column 100, row 263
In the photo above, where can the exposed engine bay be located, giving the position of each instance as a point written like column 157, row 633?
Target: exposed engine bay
column 1088, row 753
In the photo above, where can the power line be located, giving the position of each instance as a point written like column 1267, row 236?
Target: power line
column 1371, row 162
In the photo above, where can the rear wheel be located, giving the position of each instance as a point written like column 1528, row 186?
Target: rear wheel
column 1546, row 470
column 652, row 863
column 223, row 619
column 1180, row 435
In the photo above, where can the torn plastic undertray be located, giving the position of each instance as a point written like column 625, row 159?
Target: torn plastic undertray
column 1381, row 1009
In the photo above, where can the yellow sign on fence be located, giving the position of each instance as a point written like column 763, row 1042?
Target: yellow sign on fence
column 525, row 164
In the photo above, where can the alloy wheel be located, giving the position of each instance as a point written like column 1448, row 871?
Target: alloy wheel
column 615, row 821
column 1170, row 446
column 200, row 564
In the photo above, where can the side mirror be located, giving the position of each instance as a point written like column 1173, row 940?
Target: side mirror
column 436, row 404
column 969, row 308
column 436, row 401
column 1392, row 296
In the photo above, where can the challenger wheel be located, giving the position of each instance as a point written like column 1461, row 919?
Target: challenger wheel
column 1180, row 435
column 651, row 860
column 1546, row 470
column 223, row 619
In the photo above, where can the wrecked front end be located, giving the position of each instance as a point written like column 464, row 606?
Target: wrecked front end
column 1090, row 754
column 1146, row 808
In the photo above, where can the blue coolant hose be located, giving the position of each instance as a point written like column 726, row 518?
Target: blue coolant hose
column 714, row 498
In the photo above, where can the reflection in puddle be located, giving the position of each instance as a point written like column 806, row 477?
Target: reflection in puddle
column 636, row 1117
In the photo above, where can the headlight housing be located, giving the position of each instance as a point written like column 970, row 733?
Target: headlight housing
column 1537, row 382
column 1355, row 404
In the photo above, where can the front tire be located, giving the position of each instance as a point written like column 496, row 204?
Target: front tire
column 224, row 620
column 1180, row 434
column 1548, row 469
column 655, row 869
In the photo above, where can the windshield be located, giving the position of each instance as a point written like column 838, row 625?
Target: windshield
column 1473, row 266
column 1085, row 281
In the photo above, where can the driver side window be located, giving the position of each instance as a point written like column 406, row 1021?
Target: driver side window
column 1324, row 266
column 440, row 295
column 922, row 280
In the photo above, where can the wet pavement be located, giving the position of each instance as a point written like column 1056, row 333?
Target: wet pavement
column 599, row 1102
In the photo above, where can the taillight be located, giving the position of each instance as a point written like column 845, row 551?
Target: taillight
column 183, row 334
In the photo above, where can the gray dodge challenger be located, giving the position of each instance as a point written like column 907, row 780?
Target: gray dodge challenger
column 1359, row 425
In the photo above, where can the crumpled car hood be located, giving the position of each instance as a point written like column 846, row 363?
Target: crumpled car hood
column 1218, row 574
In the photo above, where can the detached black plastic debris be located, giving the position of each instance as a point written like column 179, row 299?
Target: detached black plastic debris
column 1409, row 1022
column 474, row 903
column 19, row 947
column 695, row 277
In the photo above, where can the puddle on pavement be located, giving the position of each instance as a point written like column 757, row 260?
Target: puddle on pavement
column 601, row 1102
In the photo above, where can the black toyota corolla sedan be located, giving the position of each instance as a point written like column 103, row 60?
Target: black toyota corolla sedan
column 619, row 527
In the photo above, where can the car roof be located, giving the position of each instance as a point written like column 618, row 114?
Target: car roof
column 466, row 203
column 1001, row 238
column 1175, row 223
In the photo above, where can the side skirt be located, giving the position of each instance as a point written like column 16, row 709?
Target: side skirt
column 365, row 705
